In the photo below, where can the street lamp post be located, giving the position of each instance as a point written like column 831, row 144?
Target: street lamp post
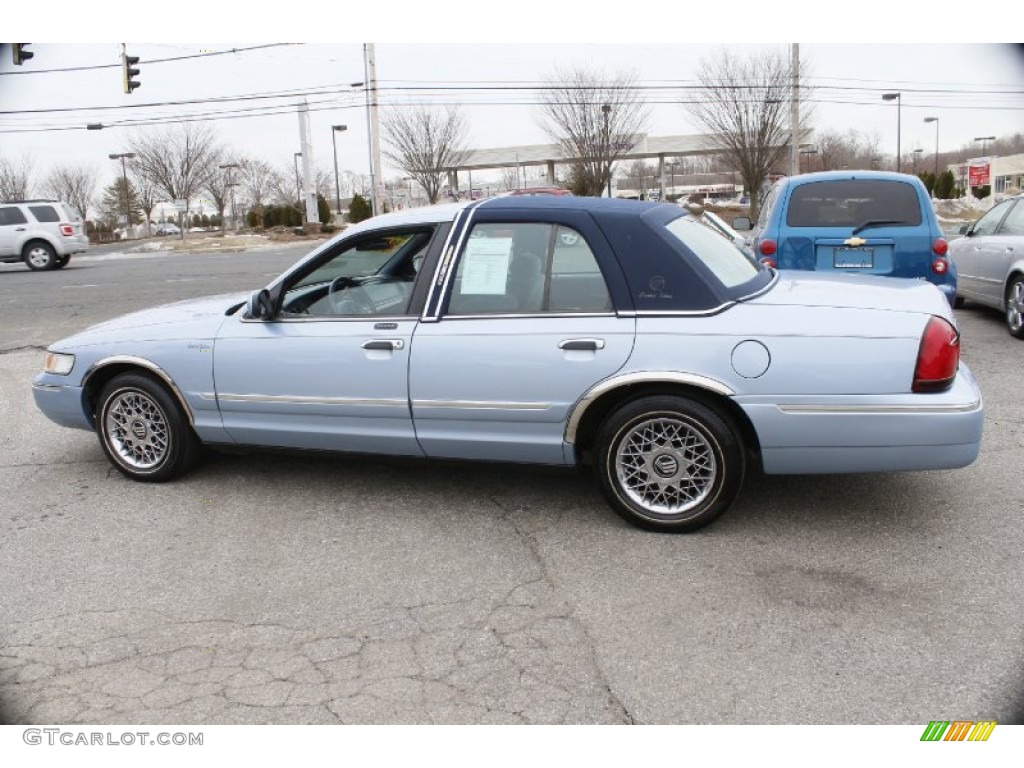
column 335, row 130
column 984, row 143
column 124, row 189
column 605, row 110
column 936, row 121
column 229, row 167
column 899, row 106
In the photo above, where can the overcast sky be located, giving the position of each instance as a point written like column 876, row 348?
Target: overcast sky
column 976, row 89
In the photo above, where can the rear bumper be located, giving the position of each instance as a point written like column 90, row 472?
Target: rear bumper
column 873, row 433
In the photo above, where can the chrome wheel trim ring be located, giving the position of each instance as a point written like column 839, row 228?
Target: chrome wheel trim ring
column 666, row 465
column 38, row 256
column 136, row 430
column 1015, row 306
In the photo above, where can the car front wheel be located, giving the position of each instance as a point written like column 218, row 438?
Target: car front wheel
column 39, row 255
column 668, row 463
column 1015, row 307
column 143, row 430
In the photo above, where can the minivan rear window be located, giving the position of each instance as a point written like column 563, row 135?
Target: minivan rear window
column 853, row 202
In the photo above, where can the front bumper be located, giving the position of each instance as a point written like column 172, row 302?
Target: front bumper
column 59, row 402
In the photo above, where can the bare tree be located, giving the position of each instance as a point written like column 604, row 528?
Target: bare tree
column 75, row 185
column 743, row 106
column 425, row 143
column 178, row 161
column 595, row 120
column 256, row 180
column 147, row 194
column 15, row 178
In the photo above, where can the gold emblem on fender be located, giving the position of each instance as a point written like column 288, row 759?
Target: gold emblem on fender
column 855, row 241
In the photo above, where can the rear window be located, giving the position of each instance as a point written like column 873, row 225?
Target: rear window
column 44, row 213
column 853, row 202
column 727, row 262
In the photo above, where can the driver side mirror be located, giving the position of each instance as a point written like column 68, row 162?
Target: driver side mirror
column 964, row 228
column 260, row 305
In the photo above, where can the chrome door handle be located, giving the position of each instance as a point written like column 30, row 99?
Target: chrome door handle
column 575, row 345
column 389, row 344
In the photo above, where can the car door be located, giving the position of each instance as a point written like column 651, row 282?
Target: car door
column 1003, row 250
column 12, row 228
column 978, row 259
column 522, row 326
column 330, row 369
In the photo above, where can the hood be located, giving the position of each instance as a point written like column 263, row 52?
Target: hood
column 816, row 289
column 192, row 318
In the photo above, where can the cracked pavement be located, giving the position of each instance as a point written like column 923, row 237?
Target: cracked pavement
column 304, row 589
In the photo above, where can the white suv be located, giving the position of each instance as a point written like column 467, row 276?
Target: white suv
column 42, row 233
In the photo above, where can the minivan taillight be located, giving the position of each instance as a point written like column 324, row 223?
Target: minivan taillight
column 940, row 266
column 937, row 358
column 940, row 247
column 67, row 230
column 767, row 247
column 768, row 261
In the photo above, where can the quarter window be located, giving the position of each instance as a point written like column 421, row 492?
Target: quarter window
column 527, row 269
column 44, row 213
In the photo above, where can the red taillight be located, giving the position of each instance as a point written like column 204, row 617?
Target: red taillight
column 768, row 261
column 940, row 247
column 67, row 230
column 767, row 247
column 940, row 266
column 937, row 357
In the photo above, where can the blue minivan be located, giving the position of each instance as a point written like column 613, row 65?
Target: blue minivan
column 864, row 222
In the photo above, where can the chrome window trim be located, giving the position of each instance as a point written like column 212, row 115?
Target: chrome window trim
column 771, row 284
column 531, row 316
column 684, row 312
column 640, row 377
column 149, row 366
column 448, row 264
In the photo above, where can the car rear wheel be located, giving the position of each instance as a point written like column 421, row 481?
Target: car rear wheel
column 39, row 255
column 668, row 463
column 143, row 430
column 62, row 261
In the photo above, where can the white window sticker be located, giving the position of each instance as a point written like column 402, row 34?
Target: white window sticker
column 485, row 265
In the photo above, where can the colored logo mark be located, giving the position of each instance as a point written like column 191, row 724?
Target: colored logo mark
column 958, row 730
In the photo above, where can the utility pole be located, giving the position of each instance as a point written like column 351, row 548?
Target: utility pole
column 372, row 122
column 230, row 167
column 794, row 112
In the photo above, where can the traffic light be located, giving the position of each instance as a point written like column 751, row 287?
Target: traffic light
column 127, row 64
column 21, row 55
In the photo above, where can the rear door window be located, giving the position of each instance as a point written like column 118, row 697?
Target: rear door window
column 851, row 203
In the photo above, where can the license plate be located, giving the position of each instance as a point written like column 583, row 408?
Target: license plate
column 853, row 257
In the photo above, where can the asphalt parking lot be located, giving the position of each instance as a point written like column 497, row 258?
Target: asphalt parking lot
column 303, row 589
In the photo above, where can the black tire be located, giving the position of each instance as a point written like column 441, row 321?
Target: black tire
column 63, row 261
column 958, row 302
column 668, row 463
column 39, row 255
column 1015, row 307
column 143, row 430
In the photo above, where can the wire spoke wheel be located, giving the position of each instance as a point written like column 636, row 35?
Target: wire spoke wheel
column 669, row 463
column 136, row 429
column 1015, row 308
column 666, row 465
column 143, row 430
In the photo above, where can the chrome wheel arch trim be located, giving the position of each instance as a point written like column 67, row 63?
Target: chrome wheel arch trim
column 629, row 379
column 148, row 365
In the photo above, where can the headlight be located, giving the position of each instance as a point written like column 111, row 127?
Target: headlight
column 57, row 363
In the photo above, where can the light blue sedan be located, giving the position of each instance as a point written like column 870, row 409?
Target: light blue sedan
column 625, row 336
